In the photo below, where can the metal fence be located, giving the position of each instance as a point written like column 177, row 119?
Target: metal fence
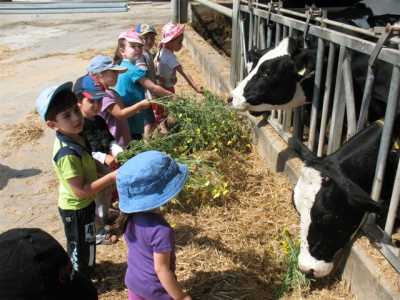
column 264, row 25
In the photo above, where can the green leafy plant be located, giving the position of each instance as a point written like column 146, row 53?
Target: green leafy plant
column 293, row 279
column 204, row 134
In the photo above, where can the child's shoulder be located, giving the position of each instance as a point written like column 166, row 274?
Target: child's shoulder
column 149, row 219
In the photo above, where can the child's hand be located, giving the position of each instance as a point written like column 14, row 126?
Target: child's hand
column 145, row 104
column 111, row 162
column 187, row 297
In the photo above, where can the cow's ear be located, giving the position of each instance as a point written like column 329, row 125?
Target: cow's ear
column 364, row 203
column 294, row 46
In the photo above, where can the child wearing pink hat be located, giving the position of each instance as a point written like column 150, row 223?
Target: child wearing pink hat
column 167, row 65
column 166, row 62
column 132, row 84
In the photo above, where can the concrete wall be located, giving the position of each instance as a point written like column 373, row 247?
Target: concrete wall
column 360, row 271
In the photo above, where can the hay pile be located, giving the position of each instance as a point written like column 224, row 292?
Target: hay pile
column 26, row 131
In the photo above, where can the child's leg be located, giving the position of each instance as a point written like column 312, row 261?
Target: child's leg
column 81, row 241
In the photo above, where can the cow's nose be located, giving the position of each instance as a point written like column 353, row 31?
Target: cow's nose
column 229, row 100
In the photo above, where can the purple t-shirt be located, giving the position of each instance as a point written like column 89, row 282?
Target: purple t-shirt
column 118, row 128
column 145, row 234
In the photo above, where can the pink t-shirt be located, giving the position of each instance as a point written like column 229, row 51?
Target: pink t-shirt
column 118, row 128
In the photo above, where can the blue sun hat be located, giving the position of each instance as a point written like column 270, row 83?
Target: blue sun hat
column 149, row 180
column 47, row 96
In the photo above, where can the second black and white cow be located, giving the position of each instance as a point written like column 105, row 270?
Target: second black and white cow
column 332, row 195
column 274, row 83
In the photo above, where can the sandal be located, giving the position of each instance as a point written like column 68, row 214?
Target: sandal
column 105, row 237
column 109, row 239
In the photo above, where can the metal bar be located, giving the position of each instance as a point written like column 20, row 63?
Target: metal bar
column 390, row 115
column 235, row 52
column 64, row 11
column 394, row 203
column 298, row 124
column 285, row 31
column 316, row 93
column 369, row 84
column 326, row 100
column 251, row 28
column 226, row 11
column 257, row 32
column 280, row 117
column 287, row 122
column 263, row 43
column 351, row 42
column 277, row 34
column 175, row 11
column 58, row 5
column 349, row 96
column 243, row 49
column 354, row 43
column 335, row 132
column 269, row 36
column 319, row 19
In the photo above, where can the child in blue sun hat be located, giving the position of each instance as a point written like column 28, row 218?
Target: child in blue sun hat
column 145, row 183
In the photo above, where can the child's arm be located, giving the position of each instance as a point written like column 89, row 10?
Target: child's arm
column 189, row 79
column 167, row 277
column 82, row 189
column 119, row 112
column 155, row 89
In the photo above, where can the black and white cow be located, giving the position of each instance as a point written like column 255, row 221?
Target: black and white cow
column 332, row 195
column 274, row 83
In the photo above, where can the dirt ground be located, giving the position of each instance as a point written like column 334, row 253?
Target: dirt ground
column 40, row 50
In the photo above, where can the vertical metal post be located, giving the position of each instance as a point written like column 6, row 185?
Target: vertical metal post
column 175, row 11
column 335, row 132
column 251, row 24
column 394, row 203
column 349, row 96
column 327, row 98
column 179, row 11
column 243, row 49
column 277, row 34
column 390, row 115
column 316, row 93
column 263, row 42
column 269, row 36
column 285, row 32
column 235, row 48
column 369, row 83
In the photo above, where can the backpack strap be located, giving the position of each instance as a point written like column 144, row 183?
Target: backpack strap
column 67, row 147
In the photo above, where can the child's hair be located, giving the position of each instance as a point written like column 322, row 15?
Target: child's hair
column 79, row 97
column 62, row 101
column 117, row 55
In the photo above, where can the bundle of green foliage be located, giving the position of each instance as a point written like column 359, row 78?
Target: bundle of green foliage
column 204, row 135
column 200, row 126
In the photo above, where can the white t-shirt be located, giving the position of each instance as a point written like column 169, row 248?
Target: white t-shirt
column 166, row 68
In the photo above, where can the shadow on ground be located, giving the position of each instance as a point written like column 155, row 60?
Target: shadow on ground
column 7, row 173
column 110, row 276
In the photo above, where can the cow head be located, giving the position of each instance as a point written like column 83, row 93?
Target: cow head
column 331, row 205
column 275, row 81
column 330, row 211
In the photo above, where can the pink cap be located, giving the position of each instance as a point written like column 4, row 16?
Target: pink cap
column 131, row 37
column 171, row 31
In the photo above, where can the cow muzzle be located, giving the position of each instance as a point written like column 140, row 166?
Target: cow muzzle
column 311, row 266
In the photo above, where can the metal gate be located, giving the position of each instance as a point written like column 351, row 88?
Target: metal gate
column 265, row 25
